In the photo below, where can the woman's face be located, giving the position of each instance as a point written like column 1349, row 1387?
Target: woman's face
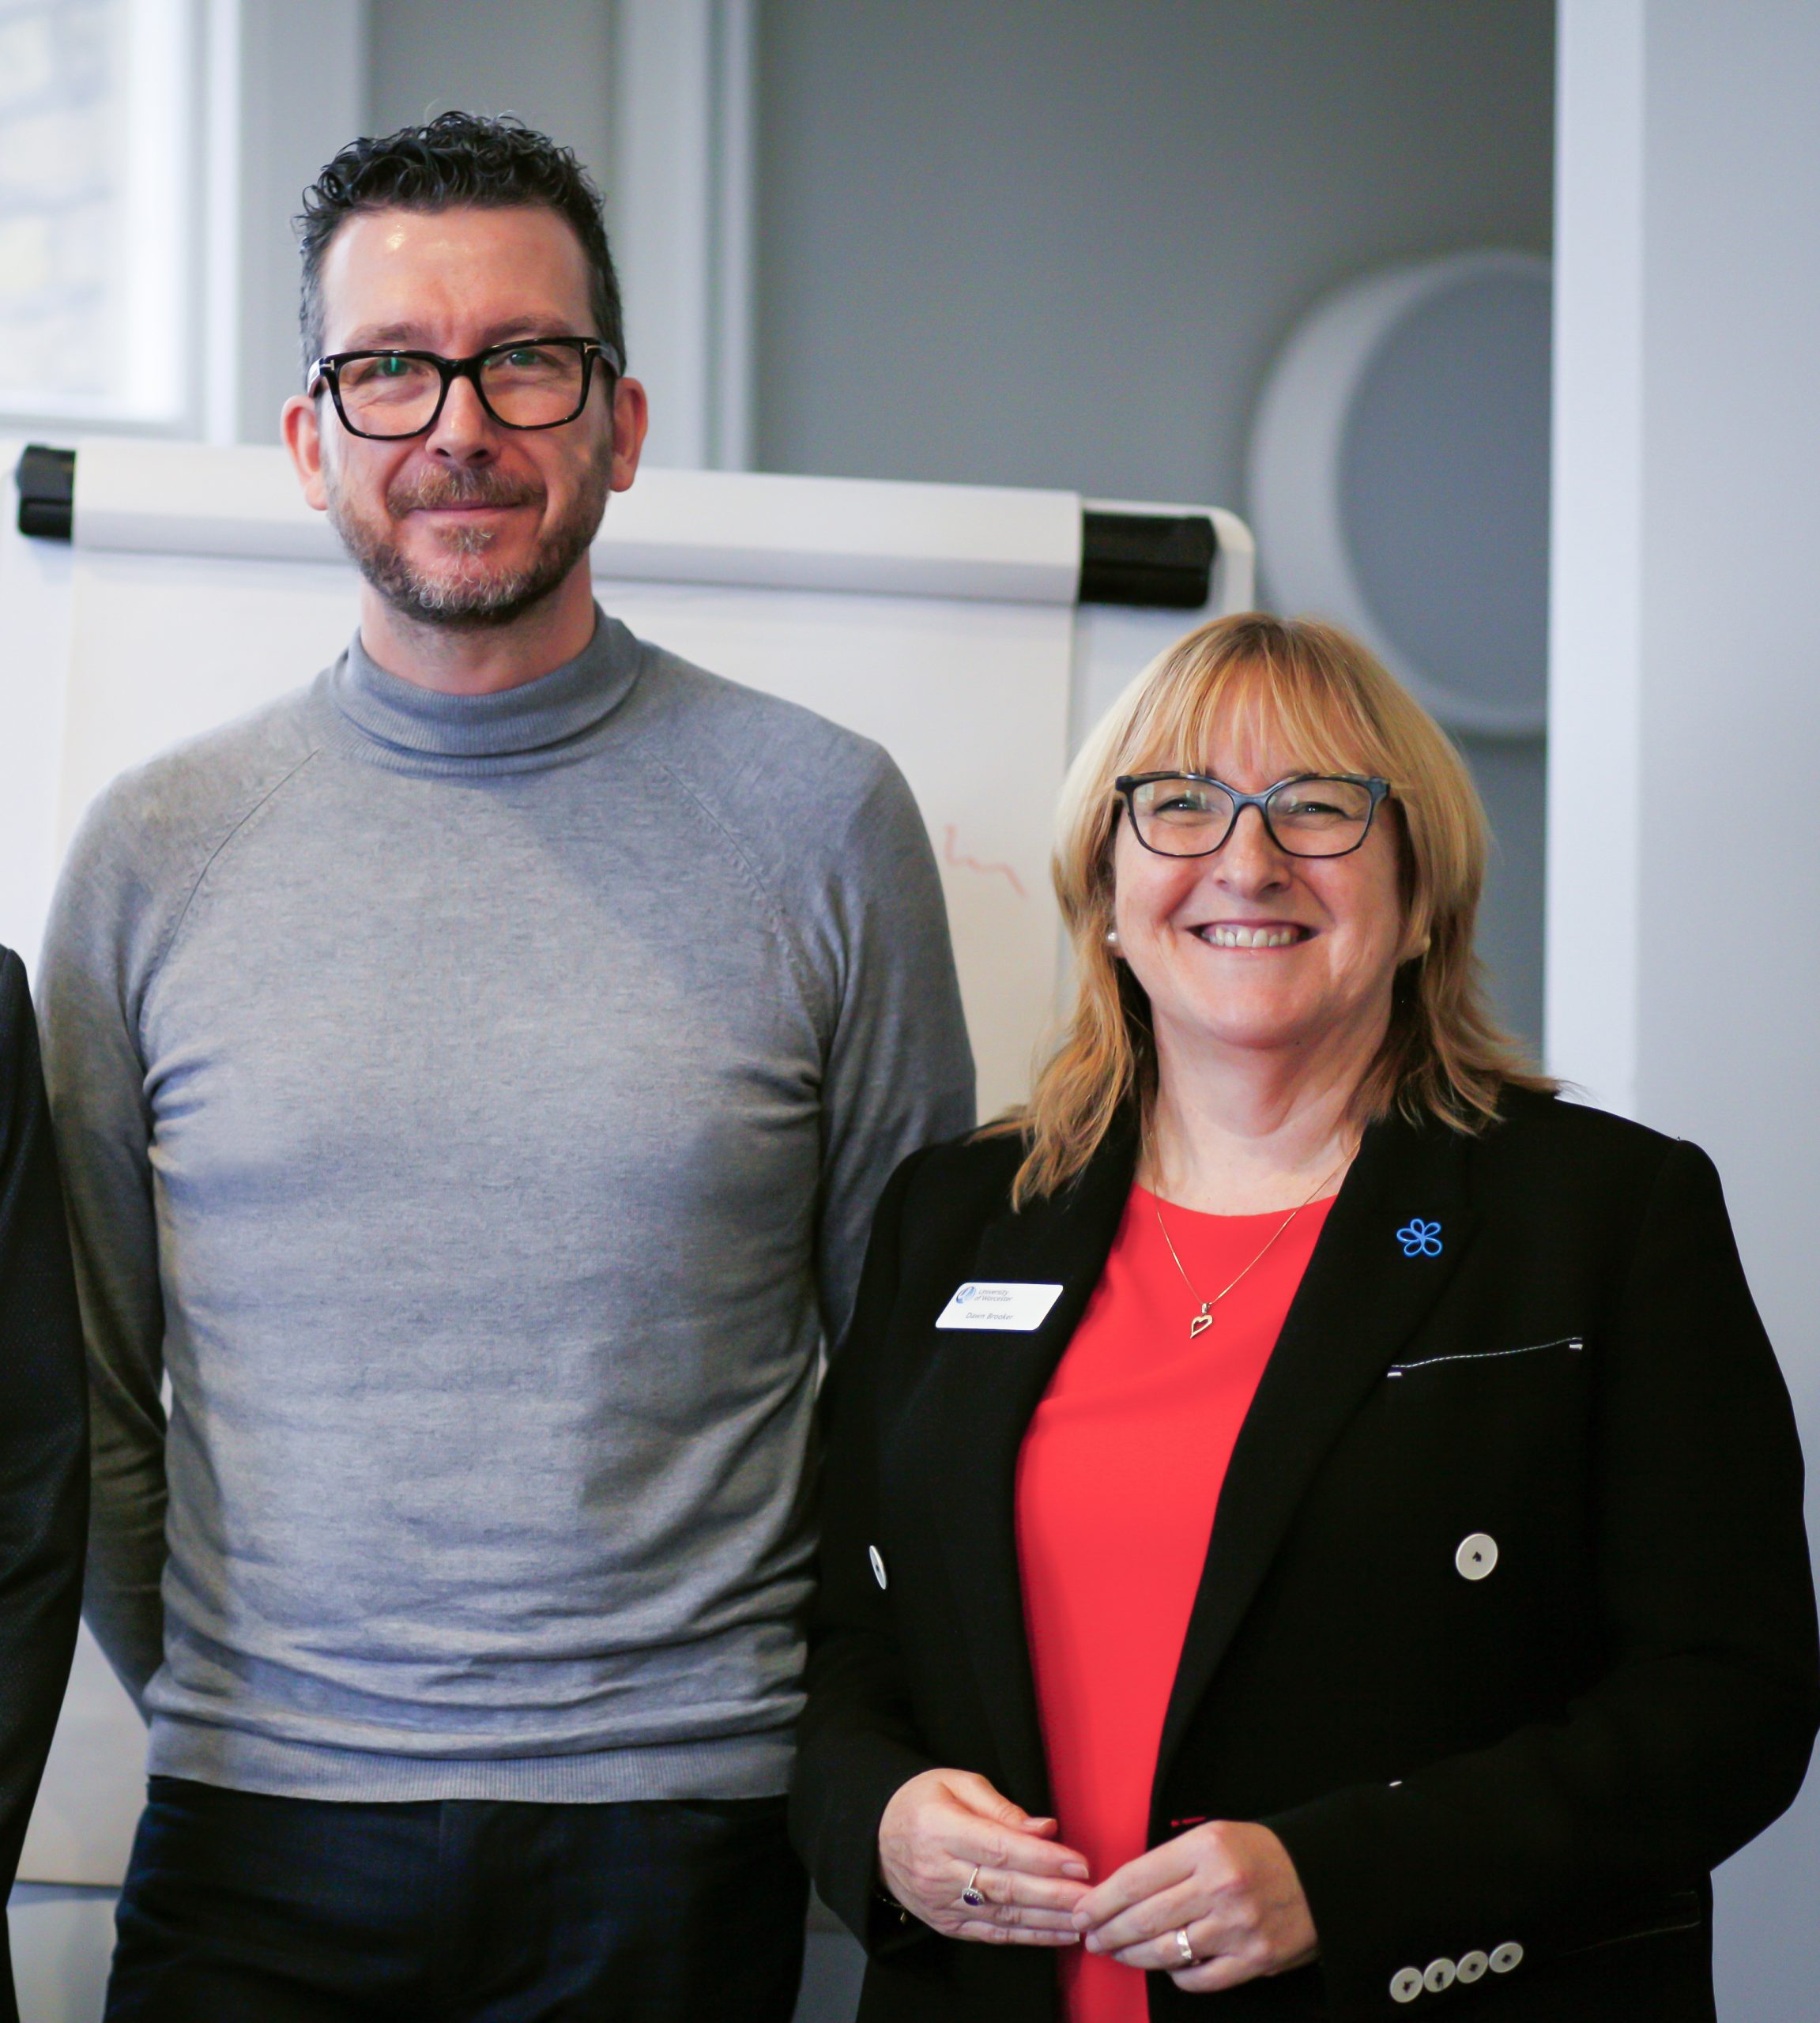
column 1253, row 949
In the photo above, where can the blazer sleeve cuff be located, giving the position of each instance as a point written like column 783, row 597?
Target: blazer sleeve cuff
column 835, row 1813
column 1365, row 1899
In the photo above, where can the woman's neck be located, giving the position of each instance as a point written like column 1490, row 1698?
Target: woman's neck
column 1244, row 1137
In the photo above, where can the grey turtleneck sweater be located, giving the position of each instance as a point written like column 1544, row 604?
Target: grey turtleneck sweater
column 472, row 1108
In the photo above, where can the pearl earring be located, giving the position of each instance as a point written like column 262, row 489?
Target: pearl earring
column 1111, row 937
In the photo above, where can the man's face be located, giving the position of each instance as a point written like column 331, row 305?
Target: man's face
column 472, row 523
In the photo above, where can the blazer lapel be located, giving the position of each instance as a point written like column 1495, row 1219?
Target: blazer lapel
column 984, row 1388
column 1391, row 1241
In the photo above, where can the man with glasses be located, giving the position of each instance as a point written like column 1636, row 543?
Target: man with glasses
column 475, row 1073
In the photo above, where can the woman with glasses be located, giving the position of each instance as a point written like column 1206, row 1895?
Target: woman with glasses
column 1309, row 1515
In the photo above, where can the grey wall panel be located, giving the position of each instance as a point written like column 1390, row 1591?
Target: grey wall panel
column 550, row 64
column 1056, row 241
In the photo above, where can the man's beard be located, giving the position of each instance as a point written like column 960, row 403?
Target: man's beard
column 466, row 596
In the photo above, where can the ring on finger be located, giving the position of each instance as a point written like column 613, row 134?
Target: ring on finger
column 1185, row 1948
column 973, row 1896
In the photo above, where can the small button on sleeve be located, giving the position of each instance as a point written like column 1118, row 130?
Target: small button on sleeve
column 1477, row 1554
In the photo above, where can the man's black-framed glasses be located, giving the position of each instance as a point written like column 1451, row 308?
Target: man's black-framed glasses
column 1310, row 815
column 532, row 383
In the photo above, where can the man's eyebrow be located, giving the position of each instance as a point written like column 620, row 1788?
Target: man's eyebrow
column 410, row 337
column 379, row 336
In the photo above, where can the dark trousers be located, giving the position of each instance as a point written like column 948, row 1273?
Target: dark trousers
column 241, row 1908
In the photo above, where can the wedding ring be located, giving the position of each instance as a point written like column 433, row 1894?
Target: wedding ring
column 1183, row 1947
column 972, row 1896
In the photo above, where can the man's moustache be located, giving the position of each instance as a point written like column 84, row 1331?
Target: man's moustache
column 447, row 488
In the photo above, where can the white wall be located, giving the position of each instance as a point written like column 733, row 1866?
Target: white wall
column 681, row 210
column 1684, row 860
column 288, row 87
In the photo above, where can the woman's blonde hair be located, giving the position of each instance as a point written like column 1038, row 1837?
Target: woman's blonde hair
column 1312, row 688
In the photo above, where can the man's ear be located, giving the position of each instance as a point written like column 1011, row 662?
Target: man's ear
column 631, row 417
column 303, row 432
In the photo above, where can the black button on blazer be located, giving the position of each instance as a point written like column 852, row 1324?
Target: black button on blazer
column 1507, row 1622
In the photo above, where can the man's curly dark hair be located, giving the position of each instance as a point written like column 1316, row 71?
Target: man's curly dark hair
column 459, row 158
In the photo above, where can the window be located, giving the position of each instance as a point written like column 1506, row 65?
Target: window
column 95, row 207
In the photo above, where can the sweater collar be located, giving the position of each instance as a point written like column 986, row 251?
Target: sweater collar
column 545, row 722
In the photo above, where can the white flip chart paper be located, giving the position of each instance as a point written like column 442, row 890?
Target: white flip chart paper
column 938, row 620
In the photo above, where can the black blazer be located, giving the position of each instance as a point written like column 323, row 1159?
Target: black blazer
column 43, row 1436
column 1551, row 1756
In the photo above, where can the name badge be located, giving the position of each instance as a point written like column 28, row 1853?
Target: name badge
column 1003, row 1305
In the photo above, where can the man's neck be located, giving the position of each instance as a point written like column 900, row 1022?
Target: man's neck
column 484, row 660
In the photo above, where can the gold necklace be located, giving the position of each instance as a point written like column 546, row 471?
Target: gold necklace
column 1203, row 1320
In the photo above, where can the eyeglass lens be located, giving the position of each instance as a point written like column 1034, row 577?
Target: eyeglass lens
column 1185, row 817
column 528, row 386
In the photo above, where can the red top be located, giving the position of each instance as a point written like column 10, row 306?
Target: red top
column 1116, row 1482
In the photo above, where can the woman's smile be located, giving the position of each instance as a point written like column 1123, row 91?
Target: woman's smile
column 1253, row 936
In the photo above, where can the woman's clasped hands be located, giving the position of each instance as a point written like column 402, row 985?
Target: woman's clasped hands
column 1227, row 1887
column 947, row 1831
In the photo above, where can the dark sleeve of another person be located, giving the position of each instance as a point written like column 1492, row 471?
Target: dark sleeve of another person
column 43, row 1428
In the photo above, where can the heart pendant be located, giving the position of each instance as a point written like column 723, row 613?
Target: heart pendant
column 1198, row 1325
